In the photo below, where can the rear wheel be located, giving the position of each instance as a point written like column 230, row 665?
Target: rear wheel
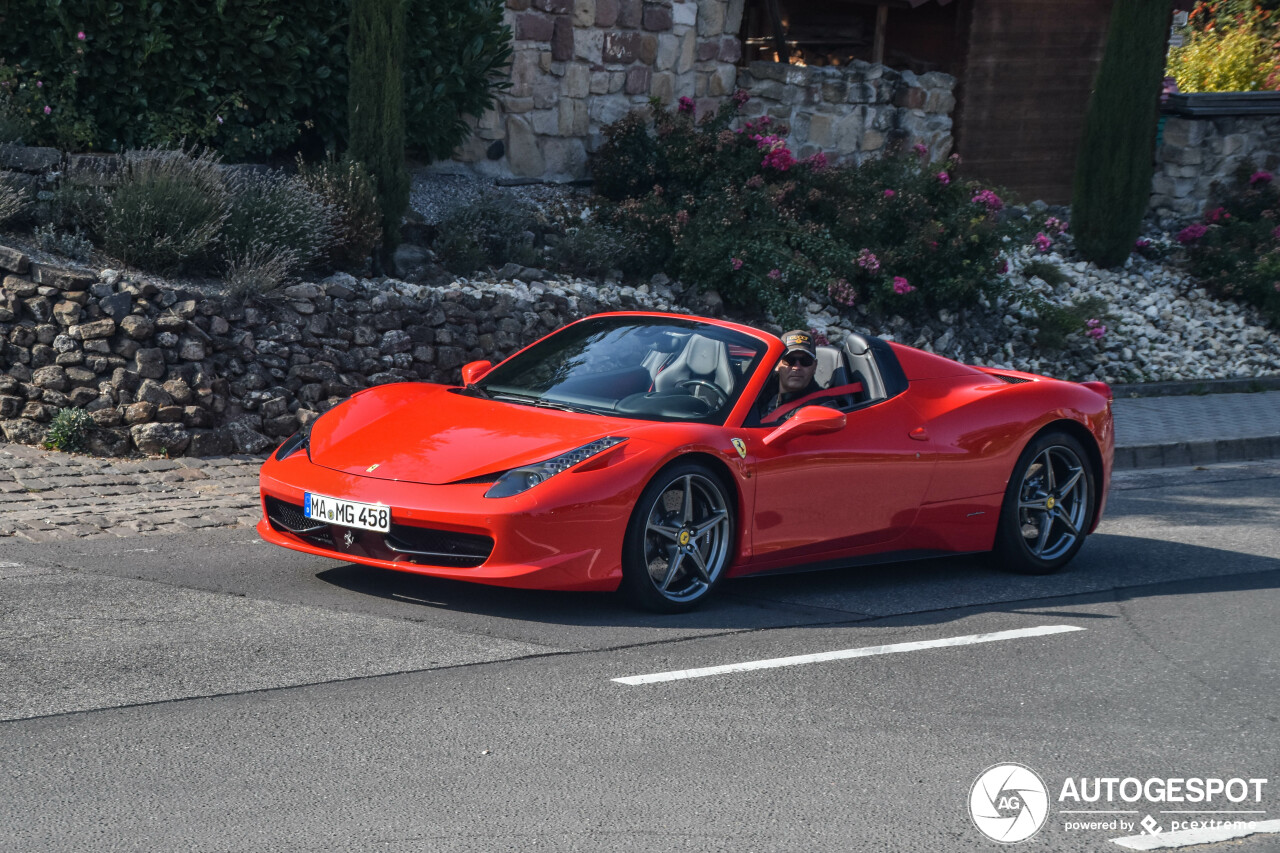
column 679, row 540
column 1047, row 506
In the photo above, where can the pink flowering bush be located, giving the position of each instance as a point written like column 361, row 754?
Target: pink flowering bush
column 724, row 202
column 1043, row 242
column 1235, row 250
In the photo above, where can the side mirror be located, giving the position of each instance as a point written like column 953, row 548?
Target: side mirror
column 809, row 420
column 474, row 370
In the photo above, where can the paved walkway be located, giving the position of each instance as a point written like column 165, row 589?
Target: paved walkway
column 46, row 495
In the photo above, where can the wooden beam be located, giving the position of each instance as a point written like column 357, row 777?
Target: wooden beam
column 877, row 46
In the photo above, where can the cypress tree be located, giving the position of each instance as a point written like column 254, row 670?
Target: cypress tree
column 375, row 105
column 1113, row 173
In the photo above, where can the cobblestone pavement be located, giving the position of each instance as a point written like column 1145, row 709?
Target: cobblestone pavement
column 47, row 496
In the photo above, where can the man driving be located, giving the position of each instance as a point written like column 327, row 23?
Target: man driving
column 793, row 377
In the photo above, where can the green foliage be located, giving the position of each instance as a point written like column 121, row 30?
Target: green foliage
column 250, row 78
column 1236, row 251
column 1057, row 322
column 69, row 430
column 734, row 211
column 455, row 61
column 1240, row 54
column 165, row 211
column 269, row 211
column 494, row 230
column 595, row 249
column 376, row 105
column 348, row 189
column 1050, row 273
column 1114, row 168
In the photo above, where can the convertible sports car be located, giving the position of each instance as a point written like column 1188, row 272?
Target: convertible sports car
column 634, row 451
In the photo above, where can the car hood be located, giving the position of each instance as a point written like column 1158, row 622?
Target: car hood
column 422, row 433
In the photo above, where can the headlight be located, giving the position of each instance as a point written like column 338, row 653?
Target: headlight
column 522, row 479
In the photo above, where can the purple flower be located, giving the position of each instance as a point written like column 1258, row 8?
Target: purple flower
column 682, row 217
column 868, row 261
column 921, row 149
column 1095, row 329
column 842, row 292
column 1141, row 243
column 775, row 274
column 39, row 84
column 686, row 105
column 1259, row 178
column 736, row 263
column 740, row 97
column 80, row 35
column 944, row 178
column 1276, row 233
column 47, row 109
column 1218, row 214
column 901, row 285
column 817, row 162
column 1042, row 241
column 989, row 200
column 219, row 118
column 889, row 193
column 1192, row 233
column 1004, row 266
column 1054, row 225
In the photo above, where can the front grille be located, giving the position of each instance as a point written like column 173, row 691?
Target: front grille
column 289, row 517
column 419, row 545
column 439, row 547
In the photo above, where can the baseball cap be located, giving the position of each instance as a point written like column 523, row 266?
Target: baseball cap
column 799, row 341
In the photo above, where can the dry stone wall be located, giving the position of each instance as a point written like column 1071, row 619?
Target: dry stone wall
column 1194, row 154
column 165, row 370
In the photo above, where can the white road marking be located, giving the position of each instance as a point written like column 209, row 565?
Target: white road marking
column 820, row 657
column 4, row 565
column 1187, row 837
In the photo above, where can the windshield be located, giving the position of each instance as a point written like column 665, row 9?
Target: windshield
column 650, row 368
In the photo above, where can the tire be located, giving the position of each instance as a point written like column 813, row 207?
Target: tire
column 1047, row 506
column 679, row 541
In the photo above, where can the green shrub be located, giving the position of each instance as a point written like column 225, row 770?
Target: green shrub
column 249, row 78
column 74, row 245
column 165, row 211
column 69, row 430
column 735, row 211
column 595, row 249
column 1229, row 46
column 272, row 210
column 1235, row 251
column 357, row 225
column 375, row 104
column 492, row 231
column 1057, row 322
column 1115, row 164
column 1050, row 273
column 455, row 63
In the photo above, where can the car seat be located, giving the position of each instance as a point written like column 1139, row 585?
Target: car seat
column 863, row 367
column 703, row 358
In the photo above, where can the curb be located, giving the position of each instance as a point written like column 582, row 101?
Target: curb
column 1198, row 387
column 1186, row 453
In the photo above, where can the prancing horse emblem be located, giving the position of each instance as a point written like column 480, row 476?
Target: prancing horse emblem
column 740, row 446
column 348, row 538
column 369, row 470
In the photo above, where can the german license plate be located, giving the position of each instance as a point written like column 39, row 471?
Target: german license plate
column 347, row 513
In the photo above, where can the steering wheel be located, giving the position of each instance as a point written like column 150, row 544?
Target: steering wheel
column 721, row 396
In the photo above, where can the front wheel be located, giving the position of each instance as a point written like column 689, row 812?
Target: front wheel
column 679, row 541
column 1047, row 507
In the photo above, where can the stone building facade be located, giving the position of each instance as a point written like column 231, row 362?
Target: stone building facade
column 580, row 65
column 1194, row 154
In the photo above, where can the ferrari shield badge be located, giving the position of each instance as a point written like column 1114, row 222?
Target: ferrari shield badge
column 372, row 468
column 740, row 446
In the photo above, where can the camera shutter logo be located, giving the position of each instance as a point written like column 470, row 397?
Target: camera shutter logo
column 1008, row 803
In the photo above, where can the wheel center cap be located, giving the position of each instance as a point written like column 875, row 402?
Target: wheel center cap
column 1050, row 502
column 684, row 537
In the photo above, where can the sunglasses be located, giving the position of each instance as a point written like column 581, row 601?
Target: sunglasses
column 798, row 358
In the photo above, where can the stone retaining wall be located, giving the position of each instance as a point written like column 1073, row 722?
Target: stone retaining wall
column 1196, row 153
column 177, row 371
column 855, row 112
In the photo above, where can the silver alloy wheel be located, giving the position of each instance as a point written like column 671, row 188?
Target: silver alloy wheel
column 686, row 537
column 1053, row 501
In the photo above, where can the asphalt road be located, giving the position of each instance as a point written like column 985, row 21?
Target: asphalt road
column 215, row 694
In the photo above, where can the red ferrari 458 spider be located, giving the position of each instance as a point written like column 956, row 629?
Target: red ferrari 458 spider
column 639, row 451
